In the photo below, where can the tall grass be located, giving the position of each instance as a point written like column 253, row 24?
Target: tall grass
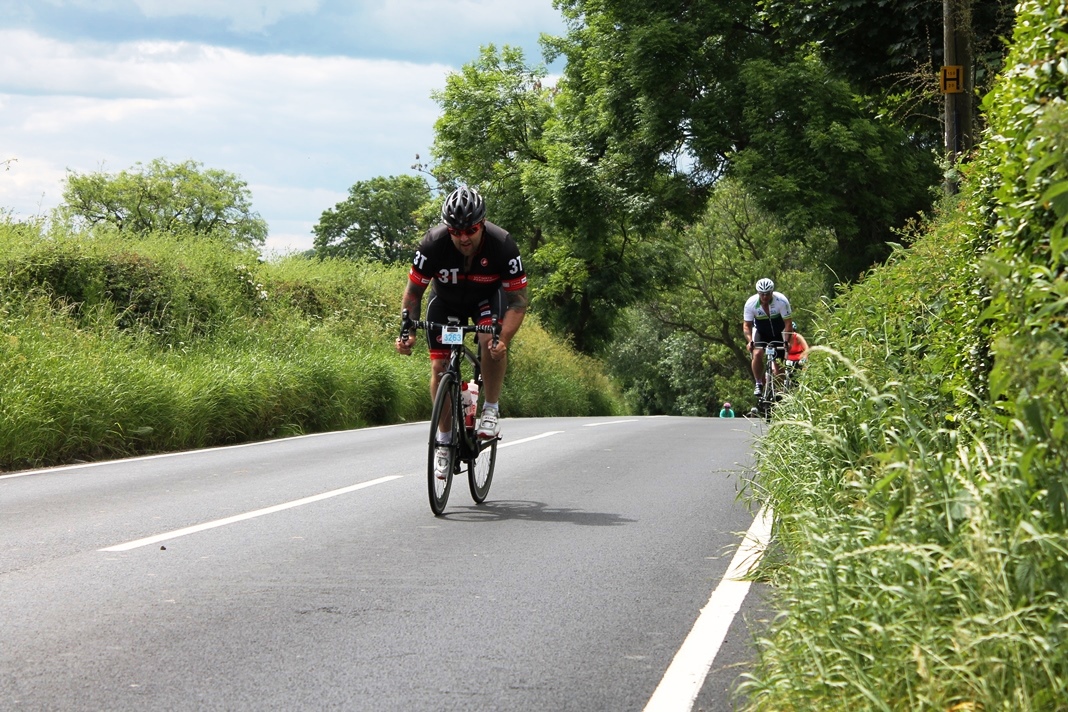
column 915, row 576
column 920, row 476
column 114, row 346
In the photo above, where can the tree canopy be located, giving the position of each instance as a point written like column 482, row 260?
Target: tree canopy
column 893, row 49
column 697, row 90
column 597, row 175
column 379, row 220
column 582, row 216
column 181, row 198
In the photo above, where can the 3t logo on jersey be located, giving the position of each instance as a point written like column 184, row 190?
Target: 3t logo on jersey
column 449, row 276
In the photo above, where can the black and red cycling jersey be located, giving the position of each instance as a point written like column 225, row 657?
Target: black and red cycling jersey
column 496, row 265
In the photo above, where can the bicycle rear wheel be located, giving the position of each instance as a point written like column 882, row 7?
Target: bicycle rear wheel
column 438, row 489
column 480, row 470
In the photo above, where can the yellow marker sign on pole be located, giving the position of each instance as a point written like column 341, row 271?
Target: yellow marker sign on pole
column 952, row 79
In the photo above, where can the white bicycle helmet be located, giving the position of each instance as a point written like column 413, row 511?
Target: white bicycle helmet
column 765, row 286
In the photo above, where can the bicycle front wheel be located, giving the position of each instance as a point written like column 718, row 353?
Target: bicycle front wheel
column 768, row 399
column 437, row 488
column 480, row 470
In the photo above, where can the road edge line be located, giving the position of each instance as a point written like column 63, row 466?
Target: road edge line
column 686, row 674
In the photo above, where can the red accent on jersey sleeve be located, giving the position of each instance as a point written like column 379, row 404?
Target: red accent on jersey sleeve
column 516, row 284
column 415, row 277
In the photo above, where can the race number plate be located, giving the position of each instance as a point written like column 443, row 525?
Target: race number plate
column 451, row 335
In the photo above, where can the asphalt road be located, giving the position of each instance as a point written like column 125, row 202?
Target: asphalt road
column 309, row 573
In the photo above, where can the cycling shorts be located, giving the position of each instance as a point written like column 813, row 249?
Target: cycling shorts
column 438, row 311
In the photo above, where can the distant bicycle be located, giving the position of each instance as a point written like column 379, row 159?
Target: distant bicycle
column 775, row 384
column 465, row 447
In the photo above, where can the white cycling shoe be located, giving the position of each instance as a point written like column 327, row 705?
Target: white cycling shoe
column 488, row 426
column 441, row 462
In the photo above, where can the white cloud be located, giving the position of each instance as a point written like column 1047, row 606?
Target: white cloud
column 299, row 129
column 29, row 187
column 460, row 21
column 294, row 212
column 242, row 15
column 458, row 15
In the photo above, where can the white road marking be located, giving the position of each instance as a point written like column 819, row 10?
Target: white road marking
column 610, row 422
column 279, row 507
column 527, row 440
column 682, row 682
column 247, row 515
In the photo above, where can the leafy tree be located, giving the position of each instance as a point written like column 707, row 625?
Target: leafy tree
column 377, row 221
column 893, row 48
column 603, row 252
column 579, row 211
column 663, row 371
column 733, row 244
column 179, row 198
column 816, row 159
column 494, row 112
column 683, row 89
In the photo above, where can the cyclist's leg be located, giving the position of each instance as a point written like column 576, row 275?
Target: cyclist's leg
column 760, row 339
column 757, row 362
column 437, row 311
column 762, row 334
column 492, row 371
column 787, row 374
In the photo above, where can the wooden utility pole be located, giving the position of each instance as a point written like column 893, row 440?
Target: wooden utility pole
column 957, row 82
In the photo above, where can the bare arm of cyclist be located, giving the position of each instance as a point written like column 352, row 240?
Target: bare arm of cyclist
column 411, row 301
column 514, row 313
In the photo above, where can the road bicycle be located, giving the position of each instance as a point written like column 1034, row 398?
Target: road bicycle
column 775, row 384
column 465, row 447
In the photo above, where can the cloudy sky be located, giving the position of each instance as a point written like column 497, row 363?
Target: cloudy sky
column 300, row 98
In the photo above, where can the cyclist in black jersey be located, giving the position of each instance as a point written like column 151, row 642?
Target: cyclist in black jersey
column 477, row 273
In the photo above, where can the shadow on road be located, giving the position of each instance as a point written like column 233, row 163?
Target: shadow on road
column 536, row 512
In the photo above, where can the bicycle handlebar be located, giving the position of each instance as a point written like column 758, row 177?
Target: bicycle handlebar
column 409, row 325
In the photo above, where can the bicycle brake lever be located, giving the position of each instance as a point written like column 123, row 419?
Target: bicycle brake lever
column 496, row 331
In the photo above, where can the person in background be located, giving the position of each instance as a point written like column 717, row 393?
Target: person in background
column 796, row 349
column 726, row 411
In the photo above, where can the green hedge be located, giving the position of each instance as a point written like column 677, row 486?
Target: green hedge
column 115, row 346
column 919, row 477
